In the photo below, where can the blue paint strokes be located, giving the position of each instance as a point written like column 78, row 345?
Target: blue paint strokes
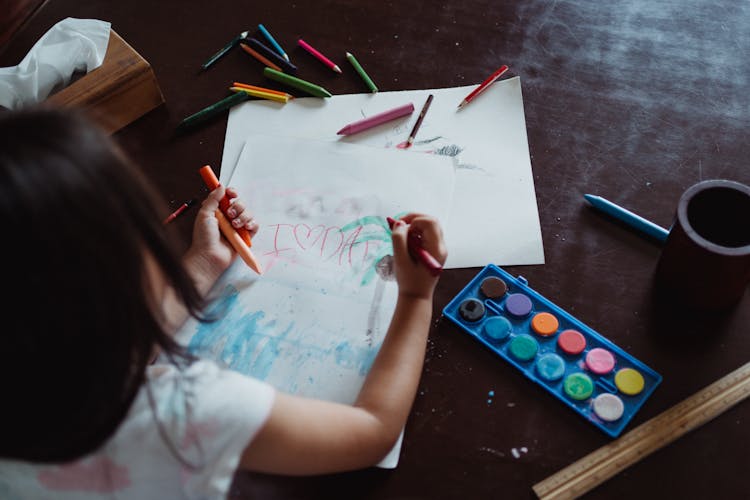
column 241, row 341
column 344, row 355
column 249, row 343
column 349, row 357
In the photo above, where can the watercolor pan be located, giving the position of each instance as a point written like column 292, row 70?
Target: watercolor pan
column 573, row 362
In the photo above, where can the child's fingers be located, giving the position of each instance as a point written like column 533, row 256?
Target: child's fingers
column 211, row 203
column 231, row 192
column 410, row 217
column 430, row 234
column 236, row 208
column 247, row 221
column 241, row 217
column 252, row 226
column 399, row 234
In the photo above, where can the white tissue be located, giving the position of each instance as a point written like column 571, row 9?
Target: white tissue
column 69, row 46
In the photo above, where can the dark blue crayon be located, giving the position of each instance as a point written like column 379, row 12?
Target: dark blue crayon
column 269, row 54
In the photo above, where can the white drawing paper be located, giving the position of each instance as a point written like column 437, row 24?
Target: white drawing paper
column 313, row 322
column 493, row 217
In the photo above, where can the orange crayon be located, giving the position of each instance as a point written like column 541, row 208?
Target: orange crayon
column 230, row 233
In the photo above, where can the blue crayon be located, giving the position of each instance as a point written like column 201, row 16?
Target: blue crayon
column 633, row 220
column 273, row 42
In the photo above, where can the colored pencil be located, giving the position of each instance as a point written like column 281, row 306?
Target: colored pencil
column 361, row 72
column 213, row 110
column 303, row 85
column 261, row 95
column 320, row 57
column 261, row 89
column 375, row 120
column 414, row 130
column 182, row 208
column 226, row 48
column 633, row 220
column 415, row 248
column 273, row 42
column 238, row 237
column 260, row 57
column 482, row 86
column 269, row 54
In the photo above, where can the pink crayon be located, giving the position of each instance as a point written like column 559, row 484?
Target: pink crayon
column 376, row 120
column 318, row 55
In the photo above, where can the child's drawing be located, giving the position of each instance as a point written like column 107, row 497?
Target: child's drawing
column 312, row 324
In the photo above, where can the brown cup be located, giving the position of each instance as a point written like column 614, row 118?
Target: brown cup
column 705, row 261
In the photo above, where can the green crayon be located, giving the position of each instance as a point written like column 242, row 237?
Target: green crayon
column 310, row 88
column 213, row 110
column 358, row 67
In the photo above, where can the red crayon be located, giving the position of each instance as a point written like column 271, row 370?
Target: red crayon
column 415, row 247
column 179, row 211
column 482, row 86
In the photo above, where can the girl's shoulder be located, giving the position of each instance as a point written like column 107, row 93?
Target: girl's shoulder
column 182, row 437
column 204, row 392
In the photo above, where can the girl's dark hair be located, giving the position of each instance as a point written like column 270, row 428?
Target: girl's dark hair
column 81, row 325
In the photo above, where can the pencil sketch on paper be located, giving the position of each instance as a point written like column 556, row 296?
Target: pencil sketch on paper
column 437, row 145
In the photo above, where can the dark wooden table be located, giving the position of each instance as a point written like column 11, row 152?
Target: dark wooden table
column 632, row 100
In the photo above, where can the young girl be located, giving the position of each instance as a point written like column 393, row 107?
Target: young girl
column 94, row 292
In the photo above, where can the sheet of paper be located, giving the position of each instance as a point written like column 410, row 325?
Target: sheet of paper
column 313, row 322
column 493, row 218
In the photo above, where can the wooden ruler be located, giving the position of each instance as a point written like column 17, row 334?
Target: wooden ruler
column 596, row 467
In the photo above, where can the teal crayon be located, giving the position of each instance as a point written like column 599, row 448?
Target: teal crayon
column 226, row 48
column 631, row 219
column 213, row 110
column 273, row 42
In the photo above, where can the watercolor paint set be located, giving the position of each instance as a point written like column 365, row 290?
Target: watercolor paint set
column 573, row 362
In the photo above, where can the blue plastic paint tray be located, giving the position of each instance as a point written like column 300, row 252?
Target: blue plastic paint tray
column 577, row 365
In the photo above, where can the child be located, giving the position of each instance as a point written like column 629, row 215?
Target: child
column 95, row 292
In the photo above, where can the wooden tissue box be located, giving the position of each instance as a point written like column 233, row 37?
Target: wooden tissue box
column 116, row 93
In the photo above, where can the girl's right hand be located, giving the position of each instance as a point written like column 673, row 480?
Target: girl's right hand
column 413, row 278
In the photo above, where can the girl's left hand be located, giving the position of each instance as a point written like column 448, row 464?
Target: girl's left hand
column 209, row 250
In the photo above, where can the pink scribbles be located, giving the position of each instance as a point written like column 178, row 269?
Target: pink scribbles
column 98, row 475
column 326, row 243
column 306, row 236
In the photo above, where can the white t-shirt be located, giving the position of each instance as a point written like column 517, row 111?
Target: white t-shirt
column 209, row 416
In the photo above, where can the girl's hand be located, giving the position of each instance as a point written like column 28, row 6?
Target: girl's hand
column 412, row 276
column 210, row 254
